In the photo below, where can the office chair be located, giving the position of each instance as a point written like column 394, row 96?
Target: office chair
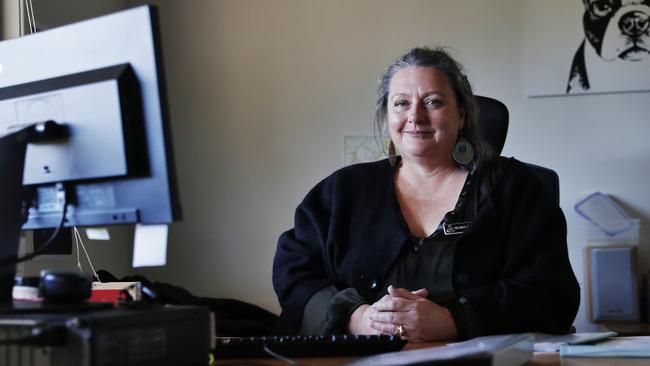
column 493, row 122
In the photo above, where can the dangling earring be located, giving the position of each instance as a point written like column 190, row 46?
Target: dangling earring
column 392, row 154
column 463, row 151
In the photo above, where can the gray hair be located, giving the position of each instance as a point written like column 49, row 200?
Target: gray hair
column 436, row 58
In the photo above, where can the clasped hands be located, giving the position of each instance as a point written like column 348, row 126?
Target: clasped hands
column 406, row 313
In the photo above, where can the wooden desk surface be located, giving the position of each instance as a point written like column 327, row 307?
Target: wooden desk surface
column 539, row 359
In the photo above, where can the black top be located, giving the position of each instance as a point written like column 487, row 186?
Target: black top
column 510, row 265
column 425, row 262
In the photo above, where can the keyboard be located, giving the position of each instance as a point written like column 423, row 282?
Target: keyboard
column 306, row 346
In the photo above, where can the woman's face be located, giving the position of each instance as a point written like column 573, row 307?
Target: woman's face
column 423, row 116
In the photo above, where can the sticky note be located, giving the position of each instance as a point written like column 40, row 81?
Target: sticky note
column 150, row 245
column 98, row 233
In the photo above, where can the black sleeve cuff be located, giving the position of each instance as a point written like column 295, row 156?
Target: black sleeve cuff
column 468, row 325
column 341, row 307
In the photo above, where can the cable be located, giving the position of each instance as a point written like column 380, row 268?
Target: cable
column 33, row 17
column 30, row 16
column 280, row 357
column 62, row 197
column 76, row 242
column 77, row 238
column 29, row 19
column 21, row 31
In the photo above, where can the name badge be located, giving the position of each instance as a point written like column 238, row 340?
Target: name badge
column 455, row 228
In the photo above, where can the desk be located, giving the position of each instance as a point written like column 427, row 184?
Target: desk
column 628, row 328
column 539, row 358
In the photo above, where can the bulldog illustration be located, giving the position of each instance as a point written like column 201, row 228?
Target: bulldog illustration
column 617, row 33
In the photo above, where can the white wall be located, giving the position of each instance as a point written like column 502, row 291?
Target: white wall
column 52, row 13
column 263, row 91
column 262, row 94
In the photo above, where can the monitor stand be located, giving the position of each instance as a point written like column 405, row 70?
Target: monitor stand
column 13, row 147
column 12, row 161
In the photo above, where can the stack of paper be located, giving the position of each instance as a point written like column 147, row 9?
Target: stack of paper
column 553, row 343
column 619, row 351
column 504, row 350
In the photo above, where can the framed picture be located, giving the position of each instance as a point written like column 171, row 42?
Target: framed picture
column 361, row 149
column 586, row 46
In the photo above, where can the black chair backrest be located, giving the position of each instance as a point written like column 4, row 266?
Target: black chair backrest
column 493, row 121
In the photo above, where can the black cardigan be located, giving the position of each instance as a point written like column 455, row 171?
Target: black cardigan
column 511, row 268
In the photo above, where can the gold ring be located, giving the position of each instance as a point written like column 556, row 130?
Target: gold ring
column 400, row 330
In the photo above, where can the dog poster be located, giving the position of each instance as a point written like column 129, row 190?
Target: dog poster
column 586, row 46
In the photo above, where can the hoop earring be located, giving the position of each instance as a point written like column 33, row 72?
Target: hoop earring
column 463, row 151
column 392, row 153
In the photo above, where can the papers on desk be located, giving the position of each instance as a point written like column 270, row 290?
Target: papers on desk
column 617, row 351
column 553, row 343
column 619, row 347
column 503, row 350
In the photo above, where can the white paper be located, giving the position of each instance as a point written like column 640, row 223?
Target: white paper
column 553, row 343
column 513, row 349
column 150, row 245
column 98, row 233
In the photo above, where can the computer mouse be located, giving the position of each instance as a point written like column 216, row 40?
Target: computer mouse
column 64, row 286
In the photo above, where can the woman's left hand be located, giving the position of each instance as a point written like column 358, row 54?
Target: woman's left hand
column 421, row 320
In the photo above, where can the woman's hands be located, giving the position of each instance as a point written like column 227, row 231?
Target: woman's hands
column 421, row 319
column 360, row 322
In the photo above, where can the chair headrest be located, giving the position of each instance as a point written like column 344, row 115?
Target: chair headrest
column 493, row 121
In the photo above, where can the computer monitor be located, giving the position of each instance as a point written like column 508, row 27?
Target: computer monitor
column 103, row 80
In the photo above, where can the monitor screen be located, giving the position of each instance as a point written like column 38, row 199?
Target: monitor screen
column 103, row 79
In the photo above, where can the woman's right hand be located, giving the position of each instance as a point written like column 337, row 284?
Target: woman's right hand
column 360, row 322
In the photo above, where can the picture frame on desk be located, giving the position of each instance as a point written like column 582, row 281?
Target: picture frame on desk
column 612, row 283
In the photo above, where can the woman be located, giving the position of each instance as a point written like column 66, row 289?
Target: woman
column 441, row 242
